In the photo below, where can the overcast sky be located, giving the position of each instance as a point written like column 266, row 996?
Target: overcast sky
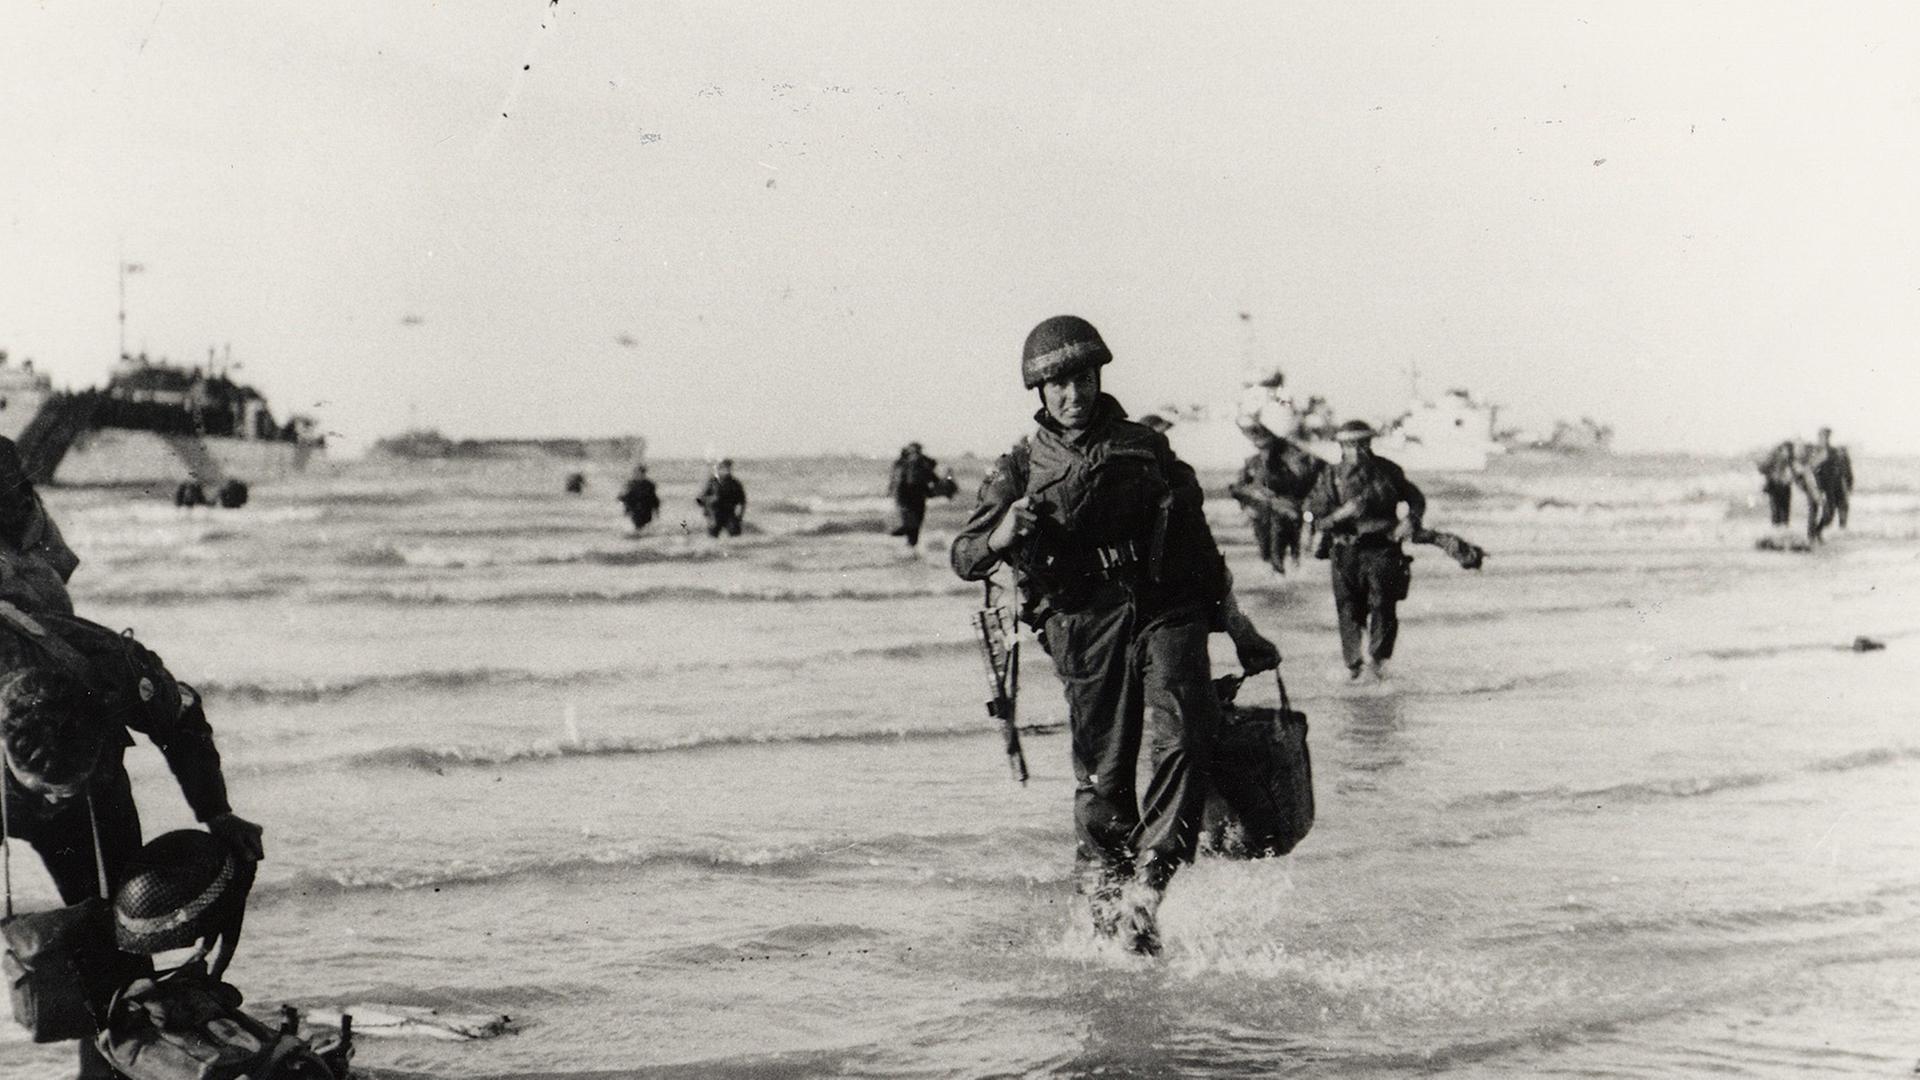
column 787, row 228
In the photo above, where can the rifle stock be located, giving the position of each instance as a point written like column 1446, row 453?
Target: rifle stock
column 1000, row 644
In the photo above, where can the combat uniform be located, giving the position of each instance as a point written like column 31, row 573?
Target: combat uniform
column 1830, row 473
column 725, row 501
column 1369, row 567
column 641, row 500
column 1777, row 480
column 1124, row 582
column 131, row 691
column 1273, row 485
column 913, row 479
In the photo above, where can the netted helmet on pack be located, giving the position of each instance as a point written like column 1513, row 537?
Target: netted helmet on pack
column 181, row 887
column 1062, row 345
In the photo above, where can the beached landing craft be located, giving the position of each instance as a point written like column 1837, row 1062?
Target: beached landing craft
column 153, row 425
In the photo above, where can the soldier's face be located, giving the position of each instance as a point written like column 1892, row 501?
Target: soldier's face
column 1070, row 398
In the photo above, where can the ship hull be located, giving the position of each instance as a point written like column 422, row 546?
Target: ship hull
column 123, row 457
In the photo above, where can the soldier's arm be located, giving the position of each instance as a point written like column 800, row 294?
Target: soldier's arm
column 973, row 559
column 1188, row 497
column 1411, row 495
column 1321, row 499
column 170, row 714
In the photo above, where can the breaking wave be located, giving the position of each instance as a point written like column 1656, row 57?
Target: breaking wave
column 776, row 594
column 440, row 758
column 489, row 678
column 790, row 861
column 1692, row 787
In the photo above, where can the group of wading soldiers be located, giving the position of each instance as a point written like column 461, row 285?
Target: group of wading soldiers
column 1821, row 470
column 1119, row 572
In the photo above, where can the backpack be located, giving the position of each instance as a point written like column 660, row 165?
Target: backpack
column 187, row 1025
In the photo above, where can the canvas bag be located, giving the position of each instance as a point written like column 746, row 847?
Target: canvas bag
column 43, row 954
column 45, row 949
column 1262, row 775
column 187, row 1025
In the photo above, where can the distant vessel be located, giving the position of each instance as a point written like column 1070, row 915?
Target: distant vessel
column 154, row 424
column 428, row 444
column 1452, row 434
column 1571, row 439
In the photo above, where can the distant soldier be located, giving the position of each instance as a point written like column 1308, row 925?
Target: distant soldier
column 640, row 499
column 724, row 501
column 1104, row 529
column 576, row 483
column 1778, row 474
column 1356, row 504
column 1830, row 468
column 914, row 479
column 1273, row 485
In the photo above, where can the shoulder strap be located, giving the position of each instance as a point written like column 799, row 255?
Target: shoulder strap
column 6, row 846
column 62, row 653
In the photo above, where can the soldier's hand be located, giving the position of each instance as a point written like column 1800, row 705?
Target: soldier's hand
column 1016, row 525
column 241, row 835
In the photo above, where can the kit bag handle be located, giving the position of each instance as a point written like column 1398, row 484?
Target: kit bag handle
column 1280, row 680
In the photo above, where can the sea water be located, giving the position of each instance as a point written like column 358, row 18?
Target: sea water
column 1626, row 804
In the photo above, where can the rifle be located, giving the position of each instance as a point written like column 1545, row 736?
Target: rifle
column 1000, row 645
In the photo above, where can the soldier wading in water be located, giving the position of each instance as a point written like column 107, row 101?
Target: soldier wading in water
column 1118, row 570
column 1355, row 505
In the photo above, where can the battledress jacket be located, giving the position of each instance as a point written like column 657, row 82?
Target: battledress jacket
column 1377, row 486
column 1112, row 500
column 1279, row 477
column 131, row 690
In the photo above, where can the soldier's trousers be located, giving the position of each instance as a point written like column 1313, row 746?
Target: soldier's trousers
column 1285, row 526
column 910, row 515
column 1779, row 502
column 1131, row 682
column 1367, row 582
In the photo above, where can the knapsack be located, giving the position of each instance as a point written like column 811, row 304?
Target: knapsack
column 187, row 1025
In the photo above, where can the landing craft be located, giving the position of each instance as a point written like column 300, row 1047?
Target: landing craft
column 154, row 425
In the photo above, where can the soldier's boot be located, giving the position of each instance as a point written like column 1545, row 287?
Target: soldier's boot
column 1102, row 886
column 1139, row 918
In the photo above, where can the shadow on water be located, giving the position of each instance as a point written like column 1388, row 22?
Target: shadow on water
column 1131, row 1031
column 1371, row 733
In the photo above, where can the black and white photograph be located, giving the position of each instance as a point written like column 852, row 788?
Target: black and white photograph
column 608, row 540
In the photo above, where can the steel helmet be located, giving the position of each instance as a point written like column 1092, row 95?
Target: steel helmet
column 181, row 887
column 1354, row 431
column 1062, row 345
